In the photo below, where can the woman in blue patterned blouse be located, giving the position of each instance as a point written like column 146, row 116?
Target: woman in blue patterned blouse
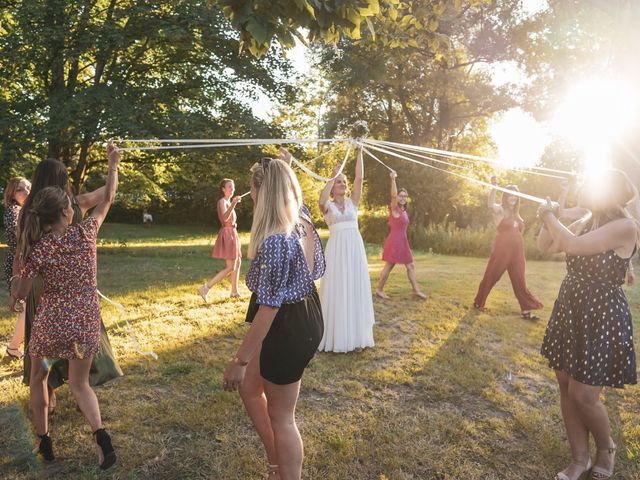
column 284, row 311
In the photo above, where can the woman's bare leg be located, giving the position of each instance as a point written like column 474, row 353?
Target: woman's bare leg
column 235, row 277
column 281, row 402
column 384, row 276
column 255, row 403
column 577, row 433
column 411, row 273
column 221, row 274
column 18, row 332
column 85, row 396
column 39, row 395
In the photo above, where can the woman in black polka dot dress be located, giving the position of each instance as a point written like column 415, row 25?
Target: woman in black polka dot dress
column 589, row 339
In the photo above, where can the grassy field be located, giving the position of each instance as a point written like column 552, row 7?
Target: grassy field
column 447, row 393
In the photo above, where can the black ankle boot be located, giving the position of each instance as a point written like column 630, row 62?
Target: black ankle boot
column 46, row 448
column 104, row 442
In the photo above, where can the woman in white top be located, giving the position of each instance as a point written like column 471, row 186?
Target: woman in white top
column 345, row 289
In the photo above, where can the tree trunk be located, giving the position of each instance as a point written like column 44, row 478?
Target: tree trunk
column 79, row 173
column 54, row 80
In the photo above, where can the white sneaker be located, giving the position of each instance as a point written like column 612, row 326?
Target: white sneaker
column 203, row 290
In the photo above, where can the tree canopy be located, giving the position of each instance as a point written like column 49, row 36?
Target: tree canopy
column 73, row 73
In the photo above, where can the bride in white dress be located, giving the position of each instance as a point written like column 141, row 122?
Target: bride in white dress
column 345, row 289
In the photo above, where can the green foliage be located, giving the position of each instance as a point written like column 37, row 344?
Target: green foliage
column 260, row 21
column 420, row 80
column 75, row 72
column 570, row 42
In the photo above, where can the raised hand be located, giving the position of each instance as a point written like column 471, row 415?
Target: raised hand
column 549, row 206
column 393, row 174
column 285, row 155
column 113, row 154
column 494, row 180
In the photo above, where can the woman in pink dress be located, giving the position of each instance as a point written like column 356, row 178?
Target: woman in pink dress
column 227, row 245
column 67, row 321
column 396, row 246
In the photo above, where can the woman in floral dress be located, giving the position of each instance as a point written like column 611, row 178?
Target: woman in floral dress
column 67, row 322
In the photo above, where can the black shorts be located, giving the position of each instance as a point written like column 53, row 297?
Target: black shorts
column 292, row 340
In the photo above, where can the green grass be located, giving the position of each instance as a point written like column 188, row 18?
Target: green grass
column 432, row 400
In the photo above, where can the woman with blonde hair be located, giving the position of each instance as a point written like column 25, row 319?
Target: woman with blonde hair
column 15, row 195
column 227, row 245
column 67, row 322
column 345, row 290
column 589, row 338
column 284, row 312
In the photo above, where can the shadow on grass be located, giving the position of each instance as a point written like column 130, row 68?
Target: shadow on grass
column 431, row 401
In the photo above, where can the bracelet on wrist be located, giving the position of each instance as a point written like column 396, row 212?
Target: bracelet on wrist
column 237, row 361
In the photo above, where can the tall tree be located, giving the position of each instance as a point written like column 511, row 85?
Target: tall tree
column 73, row 72
column 422, row 79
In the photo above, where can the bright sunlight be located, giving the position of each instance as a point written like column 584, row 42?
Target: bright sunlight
column 594, row 116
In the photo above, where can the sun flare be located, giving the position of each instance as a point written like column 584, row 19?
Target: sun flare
column 593, row 116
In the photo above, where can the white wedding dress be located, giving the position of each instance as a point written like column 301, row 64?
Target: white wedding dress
column 345, row 288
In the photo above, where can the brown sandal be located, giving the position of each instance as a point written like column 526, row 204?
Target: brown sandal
column 599, row 473
column 272, row 471
column 18, row 355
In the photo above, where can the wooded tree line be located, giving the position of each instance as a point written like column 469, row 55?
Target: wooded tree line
column 74, row 73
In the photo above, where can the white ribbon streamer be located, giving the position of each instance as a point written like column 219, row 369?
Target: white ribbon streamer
column 221, row 143
column 132, row 334
column 464, row 156
column 471, row 179
column 252, row 141
column 465, row 167
column 313, row 174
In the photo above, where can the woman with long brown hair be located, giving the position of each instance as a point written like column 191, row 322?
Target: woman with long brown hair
column 227, row 245
column 589, row 339
column 51, row 172
column 15, row 195
column 396, row 246
column 67, row 322
column 507, row 254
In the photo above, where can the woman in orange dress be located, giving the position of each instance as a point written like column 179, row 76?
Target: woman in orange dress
column 227, row 245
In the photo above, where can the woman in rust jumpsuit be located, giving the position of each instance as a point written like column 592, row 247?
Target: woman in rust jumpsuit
column 507, row 254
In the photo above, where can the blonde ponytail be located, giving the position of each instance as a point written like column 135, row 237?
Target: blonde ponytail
column 278, row 201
